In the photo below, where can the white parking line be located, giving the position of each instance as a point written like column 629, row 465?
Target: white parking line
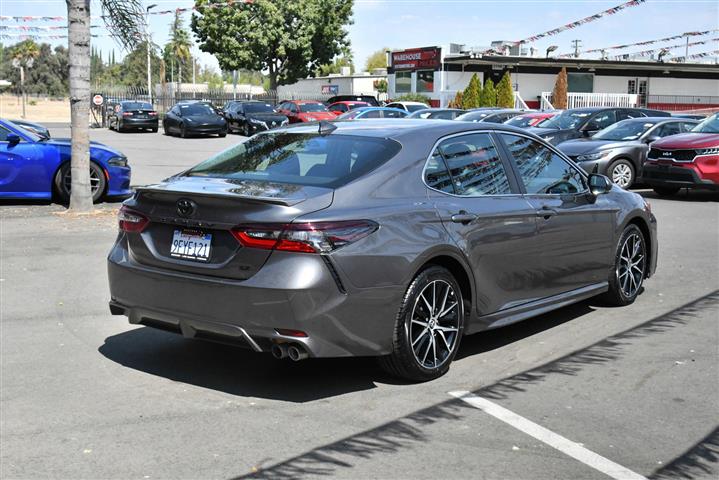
column 552, row 439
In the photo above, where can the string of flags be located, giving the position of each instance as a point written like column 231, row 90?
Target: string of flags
column 40, row 18
column 670, row 47
column 26, row 28
column 650, row 42
column 24, row 36
column 696, row 55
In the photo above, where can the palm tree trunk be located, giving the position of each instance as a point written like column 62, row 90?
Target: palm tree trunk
column 78, row 18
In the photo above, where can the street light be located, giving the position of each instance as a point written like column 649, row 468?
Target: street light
column 18, row 63
column 147, row 44
column 550, row 49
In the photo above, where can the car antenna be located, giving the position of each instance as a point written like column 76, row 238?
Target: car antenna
column 326, row 128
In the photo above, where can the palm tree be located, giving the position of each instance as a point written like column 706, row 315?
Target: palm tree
column 178, row 47
column 23, row 57
column 124, row 19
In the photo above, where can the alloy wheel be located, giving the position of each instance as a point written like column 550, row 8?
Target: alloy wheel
column 631, row 266
column 622, row 175
column 94, row 180
column 434, row 325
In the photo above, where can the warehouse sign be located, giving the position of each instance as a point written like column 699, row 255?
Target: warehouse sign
column 417, row 59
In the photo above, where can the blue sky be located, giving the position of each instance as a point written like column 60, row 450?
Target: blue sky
column 412, row 23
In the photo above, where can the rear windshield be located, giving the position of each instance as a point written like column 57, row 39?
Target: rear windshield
column 299, row 158
column 312, row 107
column 258, row 108
column 136, row 106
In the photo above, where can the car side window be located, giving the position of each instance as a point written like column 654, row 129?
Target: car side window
column 687, row 126
column 292, row 108
column 392, row 114
column 339, row 108
column 601, row 120
column 475, row 167
column 371, row 114
column 626, row 114
column 667, row 129
column 4, row 132
column 543, row 171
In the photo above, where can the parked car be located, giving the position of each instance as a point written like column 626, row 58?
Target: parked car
column 35, row 128
column 619, row 151
column 489, row 115
column 217, row 109
column 194, row 118
column 373, row 112
column 693, row 116
column 266, row 244
column 437, row 113
column 369, row 99
column 585, row 122
column 408, row 106
column 689, row 160
column 35, row 167
column 338, row 108
column 251, row 117
column 298, row 111
column 531, row 119
column 132, row 115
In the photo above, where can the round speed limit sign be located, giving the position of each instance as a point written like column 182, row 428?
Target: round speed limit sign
column 97, row 100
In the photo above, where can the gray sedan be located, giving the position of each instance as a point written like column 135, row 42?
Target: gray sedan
column 619, row 150
column 391, row 238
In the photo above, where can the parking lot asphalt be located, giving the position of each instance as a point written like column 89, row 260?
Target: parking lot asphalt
column 569, row 395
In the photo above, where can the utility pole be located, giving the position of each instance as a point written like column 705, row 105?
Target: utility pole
column 18, row 63
column 148, row 42
column 686, row 51
column 576, row 44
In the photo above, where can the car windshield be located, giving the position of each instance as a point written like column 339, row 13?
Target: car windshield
column 352, row 106
column 625, row 130
column 299, row 158
column 414, row 108
column 708, row 125
column 350, row 115
column 567, row 120
column 312, row 107
column 136, row 106
column 521, row 121
column 473, row 116
column 258, row 108
column 34, row 137
column 196, row 109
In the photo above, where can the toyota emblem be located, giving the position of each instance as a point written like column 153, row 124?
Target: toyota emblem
column 186, row 208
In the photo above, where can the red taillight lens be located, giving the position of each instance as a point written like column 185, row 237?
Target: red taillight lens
column 131, row 221
column 126, row 114
column 319, row 237
column 153, row 114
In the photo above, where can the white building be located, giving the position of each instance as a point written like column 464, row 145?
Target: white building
column 319, row 88
column 672, row 86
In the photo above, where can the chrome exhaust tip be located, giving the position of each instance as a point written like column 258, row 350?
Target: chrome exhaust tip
column 279, row 350
column 297, row 353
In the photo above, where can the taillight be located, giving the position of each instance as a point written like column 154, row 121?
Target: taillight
column 126, row 114
column 152, row 114
column 131, row 221
column 318, row 237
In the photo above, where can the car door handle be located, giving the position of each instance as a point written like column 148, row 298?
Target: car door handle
column 546, row 212
column 463, row 217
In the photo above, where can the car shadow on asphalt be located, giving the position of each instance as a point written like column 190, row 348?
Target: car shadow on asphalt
column 242, row 372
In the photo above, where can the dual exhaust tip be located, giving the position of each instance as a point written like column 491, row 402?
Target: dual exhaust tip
column 294, row 351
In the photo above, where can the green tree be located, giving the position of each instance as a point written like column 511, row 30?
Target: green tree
column 471, row 95
column 457, row 102
column 177, row 50
column 289, row 39
column 381, row 85
column 505, row 92
column 336, row 66
column 377, row 59
column 48, row 73
column 559, row 94
column 488, row 97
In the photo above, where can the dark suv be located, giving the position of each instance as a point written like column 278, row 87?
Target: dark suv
column 252, row 117
column 585, row 122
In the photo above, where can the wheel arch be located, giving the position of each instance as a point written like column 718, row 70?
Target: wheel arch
column 459, row 271
column 646, row 232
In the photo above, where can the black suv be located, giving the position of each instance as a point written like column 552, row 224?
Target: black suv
column 585, row 122
column 251, row 117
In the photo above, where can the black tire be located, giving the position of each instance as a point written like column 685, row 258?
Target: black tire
column 154, row 130
column 622, row 173
column 120, row 128
column 165, row 130
column 246, row 130
column 222, row 134
column 666, row 191
column 97, row 179
column 622, row 277
column 183, row 131
column 404, row 360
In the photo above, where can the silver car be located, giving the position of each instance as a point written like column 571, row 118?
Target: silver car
column 391, row 238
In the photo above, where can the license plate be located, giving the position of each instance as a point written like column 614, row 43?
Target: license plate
column 191, row 245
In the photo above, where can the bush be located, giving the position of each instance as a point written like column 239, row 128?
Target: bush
column 457, row 102
column 32, row 103
column 472, row 94
column 559, row 94
column 412, row 97
column 488, row 98
column 505, row 92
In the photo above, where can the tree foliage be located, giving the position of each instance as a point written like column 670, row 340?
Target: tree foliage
column 377, row 59
column 488, row 97
column 472, row 94
column 412, row 97
column 457, row 101
column 336, row 66
column 289, row 39
column 176, row 53
column 505, row 92
column 559, row 94
column 48, row 74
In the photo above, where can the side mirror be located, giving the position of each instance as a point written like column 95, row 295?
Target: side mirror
column 652, row 138
column 12, row 139
column 599, row 184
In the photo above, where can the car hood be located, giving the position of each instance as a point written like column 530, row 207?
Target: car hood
column 66, row 143
column 553, row 135
column 689, row 141
column 205, row 119
column 311, row 116
column 583, row 146
column 267, row 117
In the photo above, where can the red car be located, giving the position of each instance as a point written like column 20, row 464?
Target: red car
column 687, row 160
column 338, row 108
column 305, row 111
column 531, row 119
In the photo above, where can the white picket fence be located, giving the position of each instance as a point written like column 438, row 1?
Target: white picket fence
column 581, row 100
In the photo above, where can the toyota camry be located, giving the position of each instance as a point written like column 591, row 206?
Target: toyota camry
column 392, row 239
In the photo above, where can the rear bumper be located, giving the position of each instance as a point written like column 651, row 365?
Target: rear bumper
column 291, row 291
column 663, row 175
column 139, row 122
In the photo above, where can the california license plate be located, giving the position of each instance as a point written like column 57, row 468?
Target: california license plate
column 191, row 245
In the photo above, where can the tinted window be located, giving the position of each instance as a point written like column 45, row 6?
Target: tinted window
column 257, row 107
column 371, row 114
column 338, row 108
column 625, row 114
column 136, row 106
column 708, row 125
column 567, row 120
column 292, row 107
column 393, row 114
column 625, row 130
column 442, row 115
column 196, row 109
column 312, row 107
column 474, row 165
column 4, row 132
column 414, row 108
column 542, row 170
column 687, row 126
column 299, row 158
column 669, row 129
column 521, row 121
column 601, row 120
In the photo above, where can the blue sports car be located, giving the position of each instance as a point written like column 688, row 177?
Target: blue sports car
column 373, row 112
column 35, row 167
